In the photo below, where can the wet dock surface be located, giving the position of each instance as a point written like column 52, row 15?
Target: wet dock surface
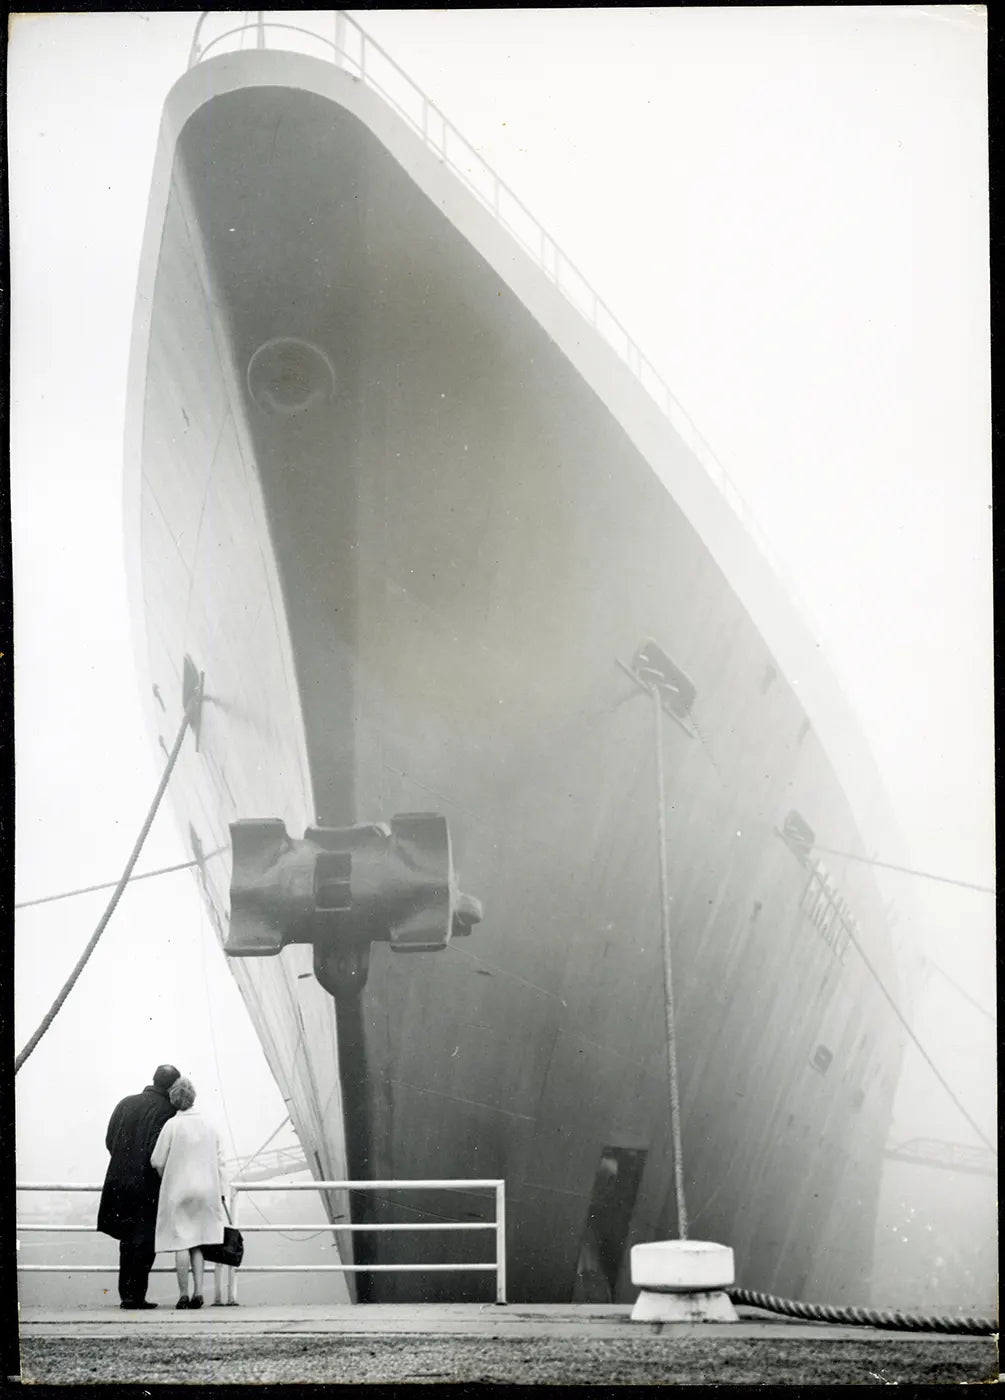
column 514, row 1344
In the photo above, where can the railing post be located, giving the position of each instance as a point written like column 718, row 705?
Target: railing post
column 260, row 37
column 500, row 1241
column 232, row 1279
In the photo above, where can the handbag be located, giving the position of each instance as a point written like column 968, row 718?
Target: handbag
column 231, row 1251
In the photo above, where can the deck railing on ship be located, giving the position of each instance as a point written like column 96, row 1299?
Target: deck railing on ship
column 237, row 1188
column 339, row 39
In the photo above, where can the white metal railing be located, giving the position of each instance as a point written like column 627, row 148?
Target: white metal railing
column 340, row 40
column 498, row 1225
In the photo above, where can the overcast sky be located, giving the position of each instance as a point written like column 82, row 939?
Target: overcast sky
column 788, row 210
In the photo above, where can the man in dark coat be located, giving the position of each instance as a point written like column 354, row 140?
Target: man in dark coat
column 128, row 1209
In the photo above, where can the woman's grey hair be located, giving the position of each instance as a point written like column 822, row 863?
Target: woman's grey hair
column 182, row 1093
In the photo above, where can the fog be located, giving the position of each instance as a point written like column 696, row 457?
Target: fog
column 788, row 210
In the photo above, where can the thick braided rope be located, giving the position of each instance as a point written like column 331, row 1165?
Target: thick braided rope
column 191, row 709
column 863, row 1317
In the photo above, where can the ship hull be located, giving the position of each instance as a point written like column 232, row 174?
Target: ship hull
column 408, row 542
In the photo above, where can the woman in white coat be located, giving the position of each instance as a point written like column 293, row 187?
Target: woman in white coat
column 190, row 1209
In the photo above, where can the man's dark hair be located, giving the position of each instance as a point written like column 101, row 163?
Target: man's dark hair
column 165, row 1076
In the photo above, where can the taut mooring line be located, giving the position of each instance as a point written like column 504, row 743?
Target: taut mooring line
column 668, row 1001
column 191, row 709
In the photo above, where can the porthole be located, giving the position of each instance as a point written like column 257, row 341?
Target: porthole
column 288, row 376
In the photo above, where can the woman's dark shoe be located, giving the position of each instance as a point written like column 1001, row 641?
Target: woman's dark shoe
column 141, row 1306
column 183, row 1301
column 196, row 1300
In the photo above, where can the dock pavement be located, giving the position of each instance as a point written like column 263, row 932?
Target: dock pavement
column 478, row 1343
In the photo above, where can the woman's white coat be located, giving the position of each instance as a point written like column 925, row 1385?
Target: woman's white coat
column 190, row 1209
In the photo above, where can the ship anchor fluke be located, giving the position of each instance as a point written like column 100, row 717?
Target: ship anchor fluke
column 343, row 888
column 467, row 913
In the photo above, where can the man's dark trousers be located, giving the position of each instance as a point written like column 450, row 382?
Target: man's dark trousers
column 136, row 1259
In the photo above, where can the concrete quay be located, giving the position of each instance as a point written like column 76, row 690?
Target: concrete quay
column 478, row 1343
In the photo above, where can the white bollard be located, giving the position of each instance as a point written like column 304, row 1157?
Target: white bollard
column 683, row 1281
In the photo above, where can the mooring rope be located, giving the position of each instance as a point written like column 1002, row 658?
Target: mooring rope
column 668, row 1002
column 110, row 884
column 769, row 1302
column 863, row 1317
column 191, row 709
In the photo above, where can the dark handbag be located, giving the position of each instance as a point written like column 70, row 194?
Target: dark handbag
column 231, row 1251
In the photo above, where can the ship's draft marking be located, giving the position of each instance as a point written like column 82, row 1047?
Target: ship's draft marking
column 288, row 376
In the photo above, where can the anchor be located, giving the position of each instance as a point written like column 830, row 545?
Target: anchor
column 342, row 889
